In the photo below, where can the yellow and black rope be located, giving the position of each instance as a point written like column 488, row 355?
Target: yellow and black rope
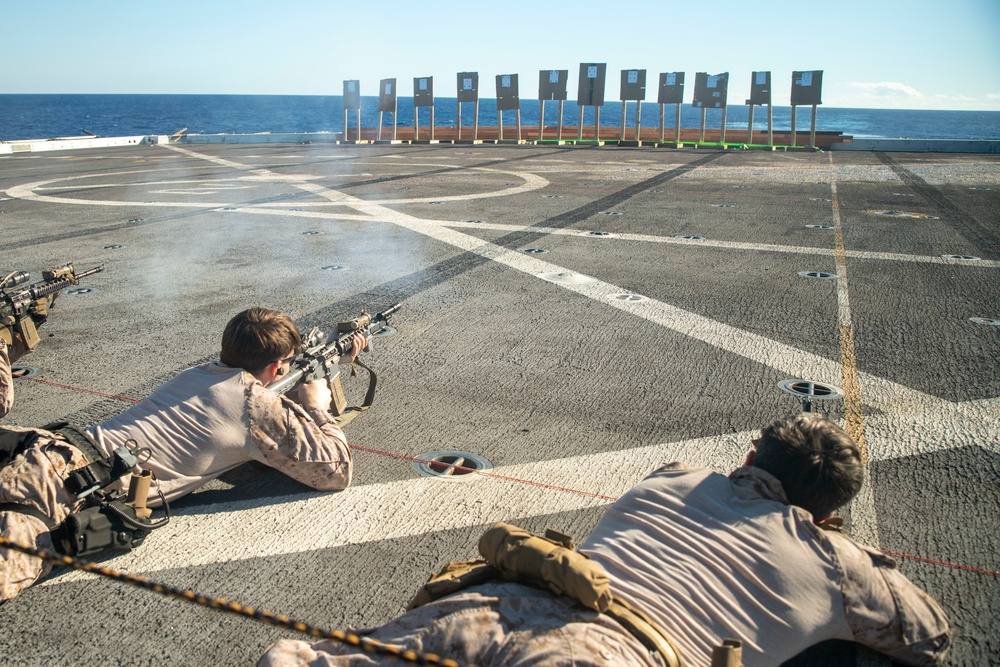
column 266, row 617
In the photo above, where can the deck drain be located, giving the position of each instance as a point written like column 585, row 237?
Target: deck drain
column 809, row 391
column 533, row 251
column 333, row 267
column 81, row 290
column 451, row 465
column 817, row 274
column 819, row 226
column 596, row 233
column 311, row 232
column 631, row 297
column 610, row 213
column 989, row 321
column 690, row 237
column 23, row 372
column 566, row 277
column 114, row 246
column 967, row 258
column 723, row 205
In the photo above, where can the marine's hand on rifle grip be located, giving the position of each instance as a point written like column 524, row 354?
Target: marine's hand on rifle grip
column 314, row 395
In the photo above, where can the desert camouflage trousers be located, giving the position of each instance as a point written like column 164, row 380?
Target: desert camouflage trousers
column 35, row 477
column 489, row 625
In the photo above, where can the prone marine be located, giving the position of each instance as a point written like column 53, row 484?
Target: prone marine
column 203, row 422
column 687, row 564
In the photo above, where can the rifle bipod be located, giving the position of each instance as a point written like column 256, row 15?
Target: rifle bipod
column 263, row 616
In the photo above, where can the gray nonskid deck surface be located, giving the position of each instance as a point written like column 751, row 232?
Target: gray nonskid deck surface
column 575, row 359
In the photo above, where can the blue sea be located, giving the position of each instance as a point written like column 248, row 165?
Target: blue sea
column 46, row 116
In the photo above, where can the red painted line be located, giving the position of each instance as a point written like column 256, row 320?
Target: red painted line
column 521, row 481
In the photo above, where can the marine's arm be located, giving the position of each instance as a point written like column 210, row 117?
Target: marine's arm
column 303, row 443
column 889, row 613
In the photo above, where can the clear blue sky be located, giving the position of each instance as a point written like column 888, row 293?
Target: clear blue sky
column 924, row 54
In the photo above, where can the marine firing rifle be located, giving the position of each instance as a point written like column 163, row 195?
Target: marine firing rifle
column 320, row 356
column 24, row 309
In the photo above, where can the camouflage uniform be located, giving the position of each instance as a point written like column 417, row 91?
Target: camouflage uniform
column 489, row 625
column 205, row 421
column 707, row 557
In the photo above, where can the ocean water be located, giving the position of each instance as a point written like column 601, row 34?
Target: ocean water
column 46, row 116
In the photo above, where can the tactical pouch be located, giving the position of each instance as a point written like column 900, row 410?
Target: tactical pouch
column 550, row 562
column 110, row 525
column 456, row 576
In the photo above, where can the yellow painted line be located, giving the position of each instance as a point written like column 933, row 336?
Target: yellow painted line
column 853, row 416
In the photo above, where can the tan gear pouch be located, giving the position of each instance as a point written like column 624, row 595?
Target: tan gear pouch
column 550, row 562
column 455, row 576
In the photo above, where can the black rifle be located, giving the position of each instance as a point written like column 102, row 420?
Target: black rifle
column 320, row 356
column 24, row 309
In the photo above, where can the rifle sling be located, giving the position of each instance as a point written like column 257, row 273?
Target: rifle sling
column 352, row 412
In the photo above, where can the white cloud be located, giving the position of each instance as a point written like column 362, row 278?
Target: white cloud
column 888, row 89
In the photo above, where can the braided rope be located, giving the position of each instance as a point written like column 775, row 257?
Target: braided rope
column 263, row 616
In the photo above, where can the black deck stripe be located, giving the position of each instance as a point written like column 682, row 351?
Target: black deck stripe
column 980, row 233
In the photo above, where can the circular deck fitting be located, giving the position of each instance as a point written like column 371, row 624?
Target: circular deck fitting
column 690, row 237
column 475, row 221
column 451, row 465
column 228, row 208
column 818, row 274
column 552, row 196
column 73, row 291
column 295, row 209
column 333, row 267
column 435, row 202
column 533, row 251
column 822, row 199
column 610, row 213
column 24, row 372
column 819, row 226
column 631, row 297
column 114, row 246
column 133, row 221
column 965, row 258
column 385, row 332
column 989, row 321
column 597, row 233
column 723, row 205
column 742, row 187
column 311, row 232
column 978, row 188
column 903, row 194
column 566, row 277
column 809, row 389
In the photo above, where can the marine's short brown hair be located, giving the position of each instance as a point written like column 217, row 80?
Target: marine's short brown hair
column 816, row 461
column 257, row 337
